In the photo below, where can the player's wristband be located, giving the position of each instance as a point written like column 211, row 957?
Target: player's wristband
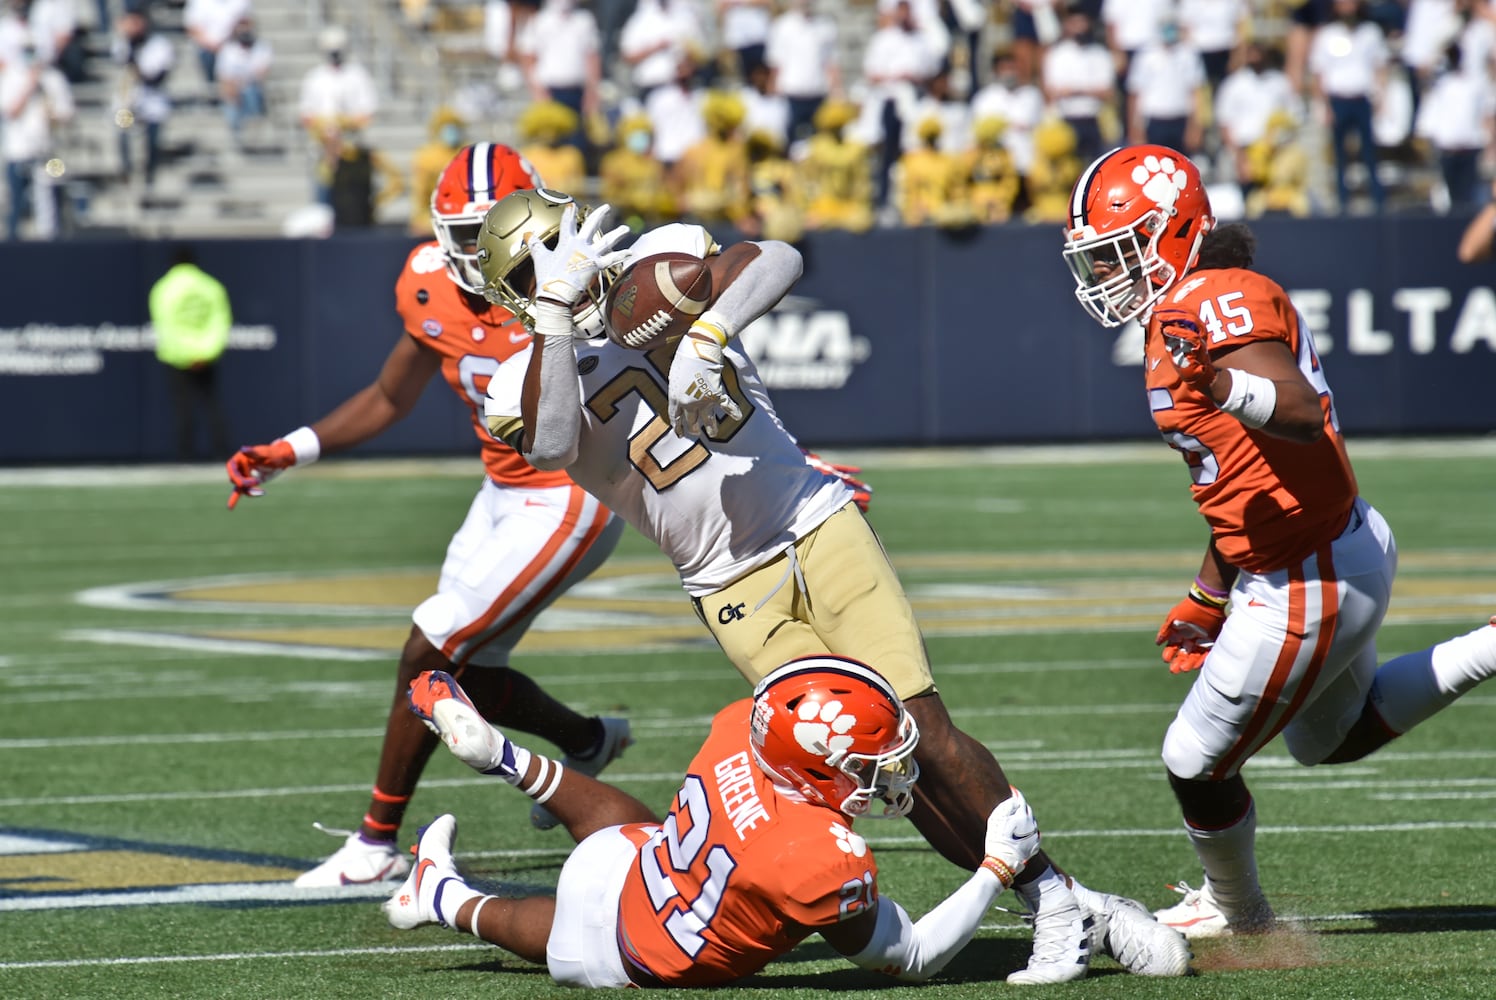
column 711, row 324
column 1000, row 868
column 1206, row 594
column 1252, row 399
column 305, row 445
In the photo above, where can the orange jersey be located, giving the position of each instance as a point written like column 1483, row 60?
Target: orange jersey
column 472, row 345
column 738, row 874
column 1269, row 502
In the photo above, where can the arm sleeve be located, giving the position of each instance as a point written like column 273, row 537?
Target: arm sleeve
column 915, row 951
column 558, row 418
column 759, row 286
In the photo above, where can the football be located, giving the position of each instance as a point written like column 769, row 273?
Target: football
column 657, row 298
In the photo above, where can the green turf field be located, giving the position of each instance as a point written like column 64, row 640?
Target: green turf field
column 185, row 690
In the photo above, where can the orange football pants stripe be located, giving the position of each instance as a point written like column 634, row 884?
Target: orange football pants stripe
column 462, row 644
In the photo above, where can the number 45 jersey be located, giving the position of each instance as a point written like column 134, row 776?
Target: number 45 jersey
column 1269, row 502
column 718, row 505
column 738, row 874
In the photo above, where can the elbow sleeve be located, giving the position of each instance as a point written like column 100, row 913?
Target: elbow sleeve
column 915, row 951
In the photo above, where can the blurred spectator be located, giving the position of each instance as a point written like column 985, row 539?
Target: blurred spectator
column 1478, row 240
column 963, row 21
column 938, row 101
column 1477, row 35
column 50, row 29
column 359, row 181
column 337, row 91
column 658, row 35
column 1277, row 166
column 745, row 31
column 1455, row 118
column 712, row 176
column 801, row 52
column 1305, row 18
column 632, row 180
column 33, row 97
column 991, row 174
column 776, row 209
column 768, row 112
column 337, row 95
column 1035, row 25
column 1347, row 61
column 928, row 24
column 674, row 111
column 1429, row 27
column 191, row 316
column 895, row 64
column 559, row 51
column 611, row 17
column 1164, row 89
column 446, row 134
column 1017, row 101
column 1131, row 26
column 1213, row 28
column 1056, row 168
column 836, row 173
column 242, row 64
column 146, row 58
column 1245, row 101
column 209, row 23
column 1079, row 78
column 929, row 186
column 549, row 129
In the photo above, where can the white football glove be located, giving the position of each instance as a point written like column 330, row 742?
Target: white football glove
column 565, row 273
column 1012, row 833
column 696, row 390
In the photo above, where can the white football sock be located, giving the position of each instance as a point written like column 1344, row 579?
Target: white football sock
column 1409, row 689
column 450, row 895
column 1229, row 858
column 1040, row 891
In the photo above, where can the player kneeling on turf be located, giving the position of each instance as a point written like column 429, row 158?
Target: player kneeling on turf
column 756, row 854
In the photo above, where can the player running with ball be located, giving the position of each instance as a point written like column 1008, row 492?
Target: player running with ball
column 776, row 557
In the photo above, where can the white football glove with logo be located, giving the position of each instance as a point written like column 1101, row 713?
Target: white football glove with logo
column 1012, row 834
column 696, row 390
column 564, row 274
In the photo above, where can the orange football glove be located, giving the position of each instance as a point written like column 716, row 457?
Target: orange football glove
column 1186, row 346
column 1188, row 633
column 862, row 493
column 255, row 465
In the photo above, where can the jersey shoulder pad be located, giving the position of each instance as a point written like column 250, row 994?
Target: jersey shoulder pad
column 830, row 864
column 422, row 279
column 1236, row 305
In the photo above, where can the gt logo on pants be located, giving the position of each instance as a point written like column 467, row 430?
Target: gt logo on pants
column 731, row 613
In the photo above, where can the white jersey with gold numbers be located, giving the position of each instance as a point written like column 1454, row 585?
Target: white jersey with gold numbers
column 718, row 505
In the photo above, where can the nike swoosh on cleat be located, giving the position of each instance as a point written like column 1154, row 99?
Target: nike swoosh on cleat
column 379, row 876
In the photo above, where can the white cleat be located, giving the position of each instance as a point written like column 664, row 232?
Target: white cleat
column 616, row 739
column 357, row 862
column 1063, row 942
column 447, row 711
column 414, row 903
column 1138, row 942
column 1198, row 915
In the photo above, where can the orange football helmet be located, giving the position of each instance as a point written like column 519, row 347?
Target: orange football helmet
column 834, row 731
column 478, row 176
column 1137, row 216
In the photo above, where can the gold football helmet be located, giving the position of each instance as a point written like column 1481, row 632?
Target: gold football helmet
column 504, row 257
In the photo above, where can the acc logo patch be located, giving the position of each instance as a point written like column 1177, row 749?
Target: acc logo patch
column 431, row 327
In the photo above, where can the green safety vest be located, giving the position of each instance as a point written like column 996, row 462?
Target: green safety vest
column 190, row 311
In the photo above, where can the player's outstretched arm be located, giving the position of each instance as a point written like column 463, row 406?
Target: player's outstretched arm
column 886, row 940
column 364, row 415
